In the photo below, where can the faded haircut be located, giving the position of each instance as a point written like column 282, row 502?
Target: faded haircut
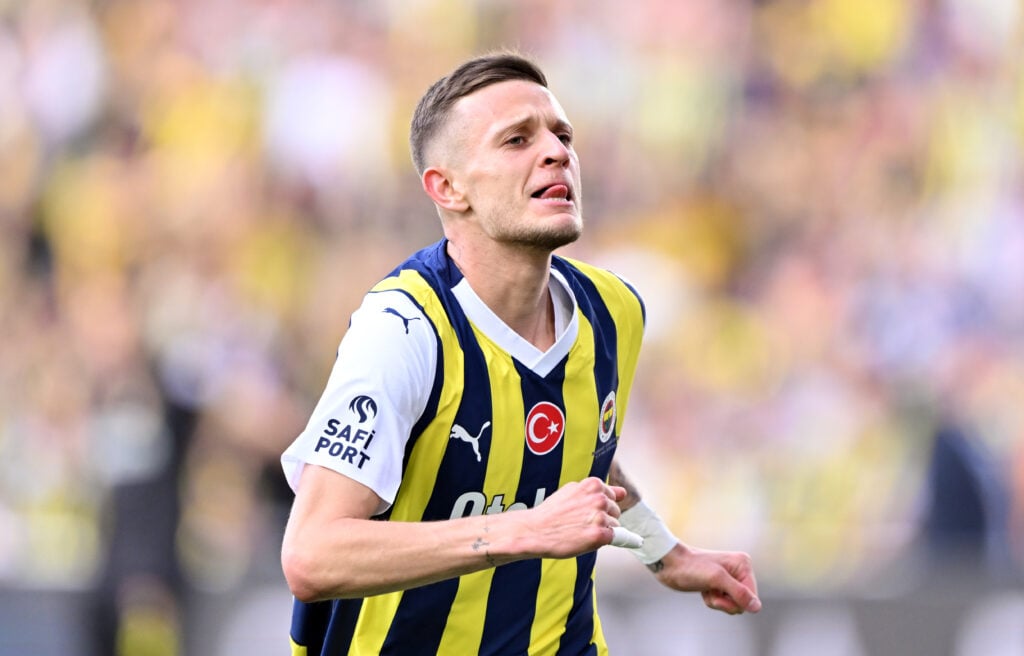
column 435, row 106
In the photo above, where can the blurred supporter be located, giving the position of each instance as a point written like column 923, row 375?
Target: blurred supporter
column 823, row 200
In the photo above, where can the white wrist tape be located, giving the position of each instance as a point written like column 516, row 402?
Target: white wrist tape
column 658, row 540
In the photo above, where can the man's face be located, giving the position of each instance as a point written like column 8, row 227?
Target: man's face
column 513, row 158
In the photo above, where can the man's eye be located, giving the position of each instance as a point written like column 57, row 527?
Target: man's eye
column 516, row 141
column 565, row 138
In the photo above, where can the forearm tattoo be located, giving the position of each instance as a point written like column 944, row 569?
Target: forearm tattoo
column 656, row 566
column 481, row 544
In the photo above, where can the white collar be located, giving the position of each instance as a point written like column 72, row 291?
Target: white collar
column 540, row 362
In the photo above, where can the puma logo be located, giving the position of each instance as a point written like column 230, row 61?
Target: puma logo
column 460, row 433
column 405, row 320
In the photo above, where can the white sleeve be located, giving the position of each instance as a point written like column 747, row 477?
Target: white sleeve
column 377, row 390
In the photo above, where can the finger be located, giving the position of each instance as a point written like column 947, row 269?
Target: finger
column 737, row 599
column 745, row 599
column 746, row 584
column 612, row 508
column 613, row 492
column 717, row 600
column 720, row 601
column 622, row 537
column 618, row 493
column 747, row 579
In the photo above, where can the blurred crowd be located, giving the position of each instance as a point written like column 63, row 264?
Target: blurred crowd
column 822, row 202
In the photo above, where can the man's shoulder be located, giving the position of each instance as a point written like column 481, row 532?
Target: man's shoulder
column 429, row 260
column 425, row 279
column 426, row 269
column 600, row 277
column 604, row 287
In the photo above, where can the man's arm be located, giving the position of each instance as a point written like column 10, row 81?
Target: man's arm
column 618, row 477
column 725, row 579
column 332, row 549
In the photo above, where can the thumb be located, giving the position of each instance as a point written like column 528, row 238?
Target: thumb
column 742, row 584
column 733, row 597
column 746, row 600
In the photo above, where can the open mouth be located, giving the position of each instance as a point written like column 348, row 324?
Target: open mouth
column 553, row 192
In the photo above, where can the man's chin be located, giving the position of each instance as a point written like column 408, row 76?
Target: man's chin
column 554, row 237
column 546, row 233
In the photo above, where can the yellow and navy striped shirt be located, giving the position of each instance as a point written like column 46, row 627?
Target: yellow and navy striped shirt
column 529, row 433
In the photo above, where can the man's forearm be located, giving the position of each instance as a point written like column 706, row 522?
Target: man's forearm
column 349, row 558
column 618, row 477
column 331, row 551
column 642, row 520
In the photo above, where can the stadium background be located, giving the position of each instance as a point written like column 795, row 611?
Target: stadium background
column 822, row 202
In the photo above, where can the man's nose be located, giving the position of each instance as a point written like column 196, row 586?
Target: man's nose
column 556, row 151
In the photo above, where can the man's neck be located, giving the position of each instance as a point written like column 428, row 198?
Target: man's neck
column 513, row 283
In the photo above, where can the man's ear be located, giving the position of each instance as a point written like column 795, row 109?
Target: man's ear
column 441, row 189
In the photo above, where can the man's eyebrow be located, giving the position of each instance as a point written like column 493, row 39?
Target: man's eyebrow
column 562, row 125
column 559, row 125
column 514, row 126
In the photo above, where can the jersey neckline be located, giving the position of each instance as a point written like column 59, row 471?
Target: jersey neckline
column 487, row 322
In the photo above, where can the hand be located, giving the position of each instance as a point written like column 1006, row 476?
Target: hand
column 576, row 519
column 725, row 579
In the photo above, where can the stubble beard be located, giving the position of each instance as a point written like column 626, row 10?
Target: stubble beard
column 539, row 236
column 549, row 239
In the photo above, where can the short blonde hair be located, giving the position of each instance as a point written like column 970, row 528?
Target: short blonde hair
column 434, row 107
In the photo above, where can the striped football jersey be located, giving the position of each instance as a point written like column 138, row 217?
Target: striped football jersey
column 496, row 435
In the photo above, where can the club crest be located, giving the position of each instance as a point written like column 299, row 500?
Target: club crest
column 608, row 414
